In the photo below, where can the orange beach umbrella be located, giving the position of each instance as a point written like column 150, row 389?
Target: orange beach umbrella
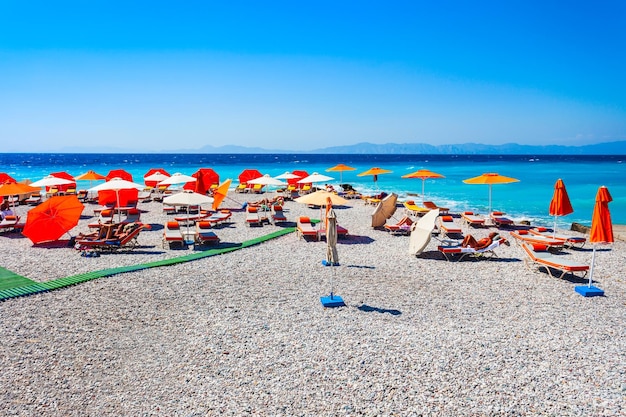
column 423, row 174
column 90, row 176
column 340, row 168
column 53, row 218
column 601, row 232
column 374, row 172
column 490, row 178
column 560, row 204
column 220, row 193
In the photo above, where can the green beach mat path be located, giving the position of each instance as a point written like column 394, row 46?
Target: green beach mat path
column 14, row 285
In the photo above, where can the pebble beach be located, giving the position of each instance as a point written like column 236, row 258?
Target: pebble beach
column 244, row 333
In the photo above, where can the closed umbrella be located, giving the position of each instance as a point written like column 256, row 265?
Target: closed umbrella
column 423, row 174
column 601, row 233
column 490, row 178
column 53, row 218
column 560, row 204
column 384, row 210
column 332, row 257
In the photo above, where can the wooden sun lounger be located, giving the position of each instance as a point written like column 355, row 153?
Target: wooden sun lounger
column 550, row 261
column 447, row 226
column 568, row 241
column 522, row 236
column 124, row 238
column 472, row 219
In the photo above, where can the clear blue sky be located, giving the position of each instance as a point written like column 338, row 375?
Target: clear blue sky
column 304, row 75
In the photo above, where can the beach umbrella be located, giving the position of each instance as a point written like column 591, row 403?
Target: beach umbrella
column 187, row 198
column 490, row 178
column 560, row 204
column 300, row 174
column 266, row 180
column 90, row 176
column 601, row 233
column 153, row 179
column 53, row 218
column 320, row 198
column 332, row 257
column 220, row 193
column 4, row 178
column 384, row 210
column 116, row 184
column 374, row 172
column 51, row 181
column 313, row 178
column 15, row 188
column 287, row 176
column 119, row 173
column 177, row 178
column 205, row 178
column 66, row 176
column 423, row 174
column 340, row 168
column 421, row 232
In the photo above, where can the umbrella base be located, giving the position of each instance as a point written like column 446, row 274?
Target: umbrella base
column 332, row 301
column 588, row 291
column 326, row 263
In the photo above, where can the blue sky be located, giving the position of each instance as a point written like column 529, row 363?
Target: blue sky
column 305, row 75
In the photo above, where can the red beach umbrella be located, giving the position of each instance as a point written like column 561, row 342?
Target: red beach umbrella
column 154, row 171
column 601, row 233
column 119, row 173
column 53, row 218
column 65, row 176
column 560, row 204
column 205, row 178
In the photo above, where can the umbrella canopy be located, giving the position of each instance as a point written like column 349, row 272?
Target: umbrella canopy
column 187, row 198
column 119, row 173
column 205, row 178
column 287, row 176
column 314, row 177
column 249, row 174
column 177, row 178
column 601, row 225
column 90, row 176
column 4, row 178
column 421, row 232
column 267, row 180
column 15, row 188
column 374, row 172
column 340, row 168
column 153, row 179
column 220, row 193
column 560, row 204
column 51, row 181
column 53, row 218
column 423, row 174
column 384, row 210
column 490, row 178
column 320, row 198
column 116, row 184
column 300, row 174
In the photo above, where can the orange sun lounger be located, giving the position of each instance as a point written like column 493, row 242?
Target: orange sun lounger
column 457, row 253
column 537, row 254
column 568, row 240
column 472, row 219
column 447, row 226
column 522, row 236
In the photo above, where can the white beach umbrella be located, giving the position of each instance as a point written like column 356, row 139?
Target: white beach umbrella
column 50, row 181
column 287, row 176
column 116, row 184
column 315, row 177
column 157, row 176
column 177, row 178
column 187, row 198
column 267, row 180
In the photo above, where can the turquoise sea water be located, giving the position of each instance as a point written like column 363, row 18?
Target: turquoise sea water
column 528, row 199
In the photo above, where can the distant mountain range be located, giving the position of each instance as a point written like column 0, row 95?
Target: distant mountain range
column 607, row 148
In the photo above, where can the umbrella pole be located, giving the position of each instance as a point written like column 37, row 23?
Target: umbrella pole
column 554, row 229
column 593, row 262
column 423, row 197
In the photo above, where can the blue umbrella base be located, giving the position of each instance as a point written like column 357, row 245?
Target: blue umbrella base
column 588, row 291
column 332, row 301
column 326, row 263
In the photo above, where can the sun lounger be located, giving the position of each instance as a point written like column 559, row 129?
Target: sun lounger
column 522, row 236
column 431, row 206
column 538, row 255
column 219, row 217
column 447, row 226
column 172, row 234
column 34, row 199
column 105, row 216
column 125, row 237
column 472, row 219
column 253, row 217
column 413, row 209
column 500, row 219
column 257, row 188
column 457, row 253
column 341, row 231
column 204, row 235
column 10, row 222
column 568, row 240
column 304, row 227
column 277, row 214
column 402, row 227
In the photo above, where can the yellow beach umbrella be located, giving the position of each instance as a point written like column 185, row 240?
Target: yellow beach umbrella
column 341, row 168
column 374, row 172
column 490, row 178
column 423, row 174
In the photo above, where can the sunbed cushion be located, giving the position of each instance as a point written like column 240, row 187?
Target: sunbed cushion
column 252, row 210
column 305, row 219
column 468, row 212
column 411, row 202
column 133, row 211
column 522, row 232
column 498, row 213
column 446, row 218
column 278, row 207
column 541, row 229
column 173, row 225
column 107, row 213
column 10, row 217
column 204, row 225
column 539, row 247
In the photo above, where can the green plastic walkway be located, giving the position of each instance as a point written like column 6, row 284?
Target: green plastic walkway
column 13, row 285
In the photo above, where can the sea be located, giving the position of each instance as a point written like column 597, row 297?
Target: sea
column 528, row 199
